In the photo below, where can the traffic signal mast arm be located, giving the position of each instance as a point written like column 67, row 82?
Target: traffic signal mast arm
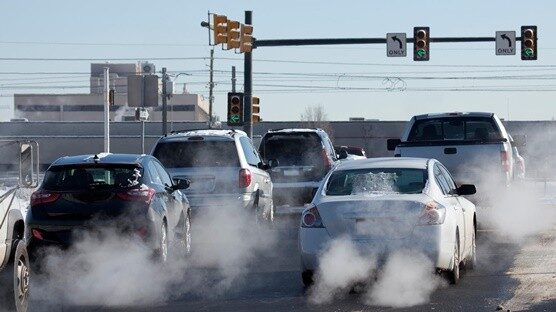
column 332, row 41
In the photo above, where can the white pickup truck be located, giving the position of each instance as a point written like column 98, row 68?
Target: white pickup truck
column 14, row 179
column 475, row 147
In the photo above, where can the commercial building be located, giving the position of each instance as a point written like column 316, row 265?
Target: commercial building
column 90, row 106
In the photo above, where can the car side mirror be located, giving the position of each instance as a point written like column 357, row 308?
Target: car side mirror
column 263, row 166
column 391, row 144
column 519, row 140
column 466, row 189
column 343, row 154
column 273, row 163
column 181, row 184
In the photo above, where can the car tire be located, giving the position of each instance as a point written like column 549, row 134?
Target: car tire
column 454, row 273
column 162, row 249
column 21, row 276
column 307, row 277
column 471, row 261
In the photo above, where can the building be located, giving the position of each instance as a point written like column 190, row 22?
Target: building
column 90, row 106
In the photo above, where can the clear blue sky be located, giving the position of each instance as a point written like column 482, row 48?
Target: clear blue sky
column 115, row 29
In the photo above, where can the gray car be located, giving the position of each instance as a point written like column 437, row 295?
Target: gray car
column 223, row 167
column 300, row 158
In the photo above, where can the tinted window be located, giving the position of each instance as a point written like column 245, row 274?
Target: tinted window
column 153, row 173
column 164, row 176
column 376, row 181
column 469, row 129
column 449, row 180
column 250, row 153
column 197, row 154
column 69, row 178
column 293, row 149
column 441, row 180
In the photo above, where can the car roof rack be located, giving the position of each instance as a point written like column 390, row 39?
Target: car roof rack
column 198, row 129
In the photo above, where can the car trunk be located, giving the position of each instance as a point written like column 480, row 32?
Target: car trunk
column 385, row 217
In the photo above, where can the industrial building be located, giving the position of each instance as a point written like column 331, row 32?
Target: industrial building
column 90, row 106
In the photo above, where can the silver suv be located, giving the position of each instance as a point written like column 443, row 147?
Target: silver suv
column 223, row 167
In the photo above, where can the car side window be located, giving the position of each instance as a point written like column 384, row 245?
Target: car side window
column 448, row 179
column 164, row 176
column 155, row 177
column 251, row 154
column 441, row 180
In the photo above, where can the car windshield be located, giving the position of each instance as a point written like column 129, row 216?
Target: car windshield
column 376, row 181
column 197, row 154
column 297, row 149
column 72, row 178
column 454, row 128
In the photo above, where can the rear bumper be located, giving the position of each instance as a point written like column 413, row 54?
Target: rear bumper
column 428, row 240
column 204, row 201
column 294, row 194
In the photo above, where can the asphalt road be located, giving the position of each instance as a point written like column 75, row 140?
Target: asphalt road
column 509, row 277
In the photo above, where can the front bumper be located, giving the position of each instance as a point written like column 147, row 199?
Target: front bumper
column 428, row 239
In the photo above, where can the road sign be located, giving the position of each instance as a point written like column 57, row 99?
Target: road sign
column 396, row 45
column 505, row 43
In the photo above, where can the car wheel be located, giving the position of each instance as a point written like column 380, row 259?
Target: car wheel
column 471, row 262
column 453, row 274
column 307, row 277
column 162, row 251
column 22, row 273
column 187, row 235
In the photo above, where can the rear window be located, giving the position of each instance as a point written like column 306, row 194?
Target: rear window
column 69, row 178
column 481, row 129
column 197, row 154
column 376, row 181
column 295, row 149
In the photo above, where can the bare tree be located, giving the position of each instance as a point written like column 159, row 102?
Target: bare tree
column 314, row 113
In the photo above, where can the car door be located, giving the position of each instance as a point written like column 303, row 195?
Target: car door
column 461, row 211
column 162, row 195
column 174, row 197
column 450, row 201
column 260, row 177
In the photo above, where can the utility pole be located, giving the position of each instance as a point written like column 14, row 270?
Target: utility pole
column 164, row 101
column 247, row 83
column 211, row 86
column 234, row 79
column 106, row 110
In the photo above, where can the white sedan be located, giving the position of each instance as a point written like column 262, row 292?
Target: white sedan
column 383, row 204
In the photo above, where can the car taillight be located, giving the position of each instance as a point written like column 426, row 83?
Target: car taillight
column 144, row 194
column 432, row 214
column 37, row 234
column 310, row 218
column 42, row 197
column 504, row 157
column 327, row 160
column 244, row 178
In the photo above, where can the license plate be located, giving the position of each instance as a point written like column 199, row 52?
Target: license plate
column 291, row 172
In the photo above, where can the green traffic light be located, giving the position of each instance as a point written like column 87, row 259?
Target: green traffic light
column 421, row 52
column 234, row 118
column 528, row 52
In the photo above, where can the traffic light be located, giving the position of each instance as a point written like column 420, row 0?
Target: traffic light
column 219, row 28
column 246, row 39
column 111, row 97
column 528, row 43
column 421, row 40
column 235, row 109
column 255, row 109
column 232, row 35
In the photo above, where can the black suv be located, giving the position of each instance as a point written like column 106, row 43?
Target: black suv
column 299, row 160
column 132, row 193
